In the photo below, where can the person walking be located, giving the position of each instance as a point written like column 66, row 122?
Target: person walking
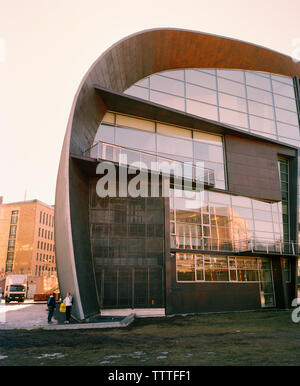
column 51, row 306
column 68, row 301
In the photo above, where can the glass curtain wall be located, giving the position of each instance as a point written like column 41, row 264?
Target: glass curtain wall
column 257, row 102
column 127, row 244
column 214, row 221
column 192, row 267
column 119, row 133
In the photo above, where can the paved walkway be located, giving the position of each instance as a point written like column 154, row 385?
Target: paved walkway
column 31, row 316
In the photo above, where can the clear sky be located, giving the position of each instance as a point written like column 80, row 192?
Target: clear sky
column 46, row 47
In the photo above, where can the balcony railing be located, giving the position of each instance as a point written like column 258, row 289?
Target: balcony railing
column 151, row 162
column 235, row 246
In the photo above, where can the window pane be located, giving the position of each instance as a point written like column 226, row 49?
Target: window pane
column 207, row 138
column 202, row 109
column 263, row 226
column 200, row 78
column 208, row 152
column 233, row 118
column 199, row 274
column 219, row 197
column 186, row 274
column 139, row 92
column 135, row 123
column 287, row 117
column 143, row 82
column 287, row 130
column 261, row 109
column 283, row 89
column 167, row 100
column 176, row 74
column 109, row 118
column 173, row 131
column 230, row 87
column 242, row 212
column 218, row 169
column 232, row 102
column 241, row 201
column 259, row 95
column 285, row 103
column 105, row 133
column 262, row 125
column 174, row 146
column 262, row 215
column 201, row 94
column 282, row 78
column 258, row 81
column 135, row 139
column 236, row 75
column 171, row 86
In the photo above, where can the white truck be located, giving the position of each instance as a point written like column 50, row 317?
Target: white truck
column 15, row 288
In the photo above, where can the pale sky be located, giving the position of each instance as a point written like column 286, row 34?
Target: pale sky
column 46, row 47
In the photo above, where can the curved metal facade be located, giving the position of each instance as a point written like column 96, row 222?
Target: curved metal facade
column 118, row 68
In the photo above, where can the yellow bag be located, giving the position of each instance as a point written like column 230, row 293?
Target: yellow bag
column 62, row 307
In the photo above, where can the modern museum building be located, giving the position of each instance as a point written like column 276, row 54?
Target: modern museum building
column 178, row 180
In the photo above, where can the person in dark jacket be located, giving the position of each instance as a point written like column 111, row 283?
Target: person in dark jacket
column 51, row 307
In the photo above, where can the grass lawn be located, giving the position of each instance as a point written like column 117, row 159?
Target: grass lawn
column 261, row 338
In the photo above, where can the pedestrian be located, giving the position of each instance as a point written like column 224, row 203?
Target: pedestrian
column 68, row 301
column 51, row 306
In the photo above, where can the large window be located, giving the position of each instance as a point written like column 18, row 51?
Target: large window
column 140, row 139
column 214, row 221
column 257, row 102
column 192, row 267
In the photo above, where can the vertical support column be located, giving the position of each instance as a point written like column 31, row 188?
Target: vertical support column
column 280, row 289
column 294, row 277
column 168, row 258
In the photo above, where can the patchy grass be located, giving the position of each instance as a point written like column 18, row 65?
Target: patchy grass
column 262, row 338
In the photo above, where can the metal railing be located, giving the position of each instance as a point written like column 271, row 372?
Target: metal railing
column 151, row 162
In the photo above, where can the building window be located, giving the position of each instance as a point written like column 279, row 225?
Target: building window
column 213, row 221
column 13, row 231
column 14, row 217
column 199, row 268
column 8, row 268
column 170, row 142
column 257, row 102
column 11, row 245
column 10, row 257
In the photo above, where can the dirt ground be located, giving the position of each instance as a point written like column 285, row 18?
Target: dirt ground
column 262, row 338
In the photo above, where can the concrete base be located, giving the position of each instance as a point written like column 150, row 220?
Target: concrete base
column 139, row 312
column 77, row 326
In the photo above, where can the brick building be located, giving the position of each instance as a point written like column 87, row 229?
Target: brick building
column 27, row 243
